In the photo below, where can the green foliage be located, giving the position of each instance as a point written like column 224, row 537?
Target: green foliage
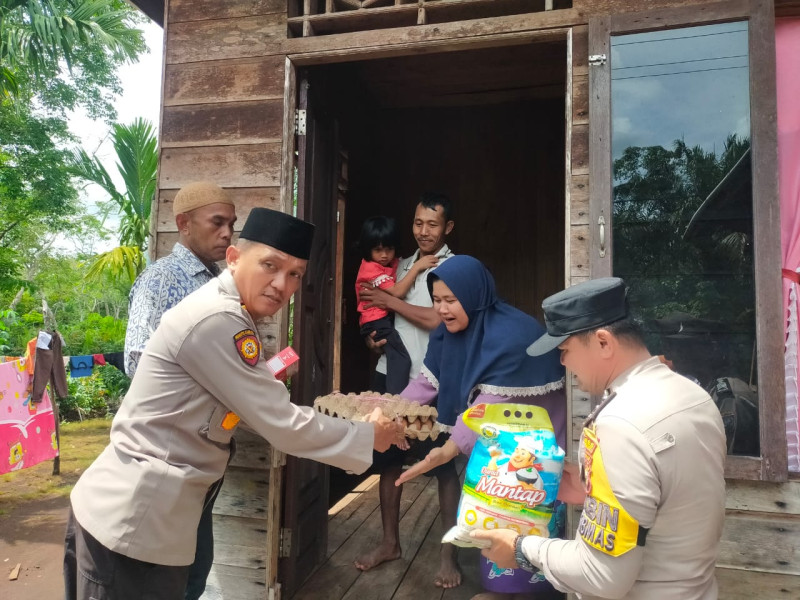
column 91, row 318
column 56, row 56
column 98, row 395
column 39, row 38
column 124, row 263
column 95, row 335
column 7, row 318
column 114, row 380
column 36, row 193
column 88, row 398
column 137, row 161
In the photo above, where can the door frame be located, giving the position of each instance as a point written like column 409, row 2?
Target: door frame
column 289, row 161
column 772, row 464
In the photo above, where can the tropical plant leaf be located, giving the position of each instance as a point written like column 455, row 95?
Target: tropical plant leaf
column 122, row 263
column 137, row 160
column 39, row 34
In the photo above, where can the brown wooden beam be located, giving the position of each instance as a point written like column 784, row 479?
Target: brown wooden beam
column 432, row 37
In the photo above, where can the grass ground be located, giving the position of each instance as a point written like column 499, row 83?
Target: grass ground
column 33, row 513
column 80, row 444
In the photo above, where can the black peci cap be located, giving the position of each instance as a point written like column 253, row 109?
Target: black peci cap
column 584, row 306
column 279, row 230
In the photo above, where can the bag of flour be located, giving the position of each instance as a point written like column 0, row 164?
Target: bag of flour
column 513, row 473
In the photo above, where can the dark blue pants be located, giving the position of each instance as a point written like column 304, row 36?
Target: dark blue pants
column 398, row 362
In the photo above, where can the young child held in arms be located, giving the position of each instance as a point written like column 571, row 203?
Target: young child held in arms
column 379, row 239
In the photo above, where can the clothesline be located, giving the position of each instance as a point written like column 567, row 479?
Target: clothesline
column 83, row 365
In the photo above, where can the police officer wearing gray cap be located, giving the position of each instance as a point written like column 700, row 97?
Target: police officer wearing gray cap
column 131, row 532
column 651, row 464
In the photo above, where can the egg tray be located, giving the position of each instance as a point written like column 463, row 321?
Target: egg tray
column 420, row 419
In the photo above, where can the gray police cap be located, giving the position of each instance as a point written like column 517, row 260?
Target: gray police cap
column 582, row 307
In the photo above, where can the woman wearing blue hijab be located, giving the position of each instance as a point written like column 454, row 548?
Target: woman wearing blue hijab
column 477, row 355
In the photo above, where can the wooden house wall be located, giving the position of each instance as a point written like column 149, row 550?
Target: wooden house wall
column 222, row 114
column 223, row 118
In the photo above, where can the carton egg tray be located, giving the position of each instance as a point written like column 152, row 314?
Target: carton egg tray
column 420, row 419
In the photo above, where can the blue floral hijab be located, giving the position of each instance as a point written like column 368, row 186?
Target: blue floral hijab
column 489, row 355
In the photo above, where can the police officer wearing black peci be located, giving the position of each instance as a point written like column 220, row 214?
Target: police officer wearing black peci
column 134, row 512
column 651, row 464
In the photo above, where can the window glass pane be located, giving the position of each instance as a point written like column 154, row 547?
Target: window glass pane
column 683, row 207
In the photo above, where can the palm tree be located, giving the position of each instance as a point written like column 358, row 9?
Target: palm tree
column 37, row 35
column 137, row 160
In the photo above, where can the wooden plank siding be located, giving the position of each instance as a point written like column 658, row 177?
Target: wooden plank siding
column 578, row 261
column 241, row 165
column 222, row 39
column 222, row 120
column 244, row 79
column 202, row 10
column 222, row 124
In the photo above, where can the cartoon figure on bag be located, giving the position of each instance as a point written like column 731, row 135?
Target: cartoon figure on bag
column 522, row 468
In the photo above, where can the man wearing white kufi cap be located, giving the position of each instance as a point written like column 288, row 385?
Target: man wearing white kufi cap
column 204, row 214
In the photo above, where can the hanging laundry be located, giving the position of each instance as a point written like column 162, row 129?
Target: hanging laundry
column 27, row 429
column 99, row 360
column 116, row 359
column 30, row 355
column 49, row 367
column 80, row 366
column 43, row 340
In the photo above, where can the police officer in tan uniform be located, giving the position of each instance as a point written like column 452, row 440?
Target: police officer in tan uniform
column 131, row 533
column 651, row 473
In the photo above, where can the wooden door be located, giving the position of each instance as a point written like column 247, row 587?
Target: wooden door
column 305, row 513
column 340, row 312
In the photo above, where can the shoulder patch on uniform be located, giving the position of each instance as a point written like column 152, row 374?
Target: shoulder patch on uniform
column 248, row 346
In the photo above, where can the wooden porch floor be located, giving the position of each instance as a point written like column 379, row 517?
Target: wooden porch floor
column 354, row 526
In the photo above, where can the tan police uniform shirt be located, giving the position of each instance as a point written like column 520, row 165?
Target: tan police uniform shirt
column 170, row 440
column 658, row 465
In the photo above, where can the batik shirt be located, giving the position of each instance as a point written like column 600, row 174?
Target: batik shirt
column 160, row 287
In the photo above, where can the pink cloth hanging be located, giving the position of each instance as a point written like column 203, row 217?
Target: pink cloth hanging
column 787, row 46
column 27, row 429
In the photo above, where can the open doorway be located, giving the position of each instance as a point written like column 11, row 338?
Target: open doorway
column 487, row 128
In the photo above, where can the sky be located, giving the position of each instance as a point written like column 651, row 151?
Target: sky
column 690, row 83
column 141, row 97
